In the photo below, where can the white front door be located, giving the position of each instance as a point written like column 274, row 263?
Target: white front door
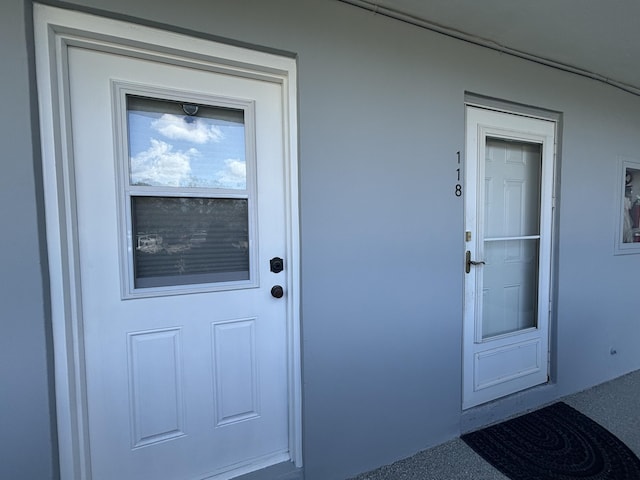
column 508, row 222
column 180, row 207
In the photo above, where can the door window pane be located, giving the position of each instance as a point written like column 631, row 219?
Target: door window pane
column 512, row 188
column 510, row 286
column 186, row 240
column 174, row 144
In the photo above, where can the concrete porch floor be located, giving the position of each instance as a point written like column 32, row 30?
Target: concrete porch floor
column 615, row 405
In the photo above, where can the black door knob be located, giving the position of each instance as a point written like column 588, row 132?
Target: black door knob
column 277, row 291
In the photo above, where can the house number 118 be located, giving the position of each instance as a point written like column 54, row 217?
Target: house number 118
column 458, row 185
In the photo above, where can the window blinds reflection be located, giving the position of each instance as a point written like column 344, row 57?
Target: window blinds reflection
column 186, row 240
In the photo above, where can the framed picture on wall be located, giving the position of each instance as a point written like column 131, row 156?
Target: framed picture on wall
column 627, row 238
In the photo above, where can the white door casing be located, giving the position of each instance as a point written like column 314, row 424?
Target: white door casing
column 139, row 379
column 508, row 222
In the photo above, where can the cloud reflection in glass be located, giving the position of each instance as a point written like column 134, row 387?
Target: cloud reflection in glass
column 170, row 149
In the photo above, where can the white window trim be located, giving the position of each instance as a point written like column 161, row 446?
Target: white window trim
column 55, row 29
column 621, row 248
column 125, row 191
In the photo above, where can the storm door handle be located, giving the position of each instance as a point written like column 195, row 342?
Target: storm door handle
column 470, row 262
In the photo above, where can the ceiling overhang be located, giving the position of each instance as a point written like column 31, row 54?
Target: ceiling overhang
column 591, row 38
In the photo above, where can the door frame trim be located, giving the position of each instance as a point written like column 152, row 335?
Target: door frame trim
column 56, row 29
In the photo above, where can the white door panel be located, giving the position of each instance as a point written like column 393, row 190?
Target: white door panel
column 508, row 208
column 180, row 385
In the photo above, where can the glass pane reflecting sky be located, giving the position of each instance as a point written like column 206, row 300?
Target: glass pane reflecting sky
column 170, row 149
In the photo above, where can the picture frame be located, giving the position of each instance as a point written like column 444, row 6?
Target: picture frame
column 627, row 235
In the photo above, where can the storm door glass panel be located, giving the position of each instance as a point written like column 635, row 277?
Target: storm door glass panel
column 511, row 236
column 187, row 193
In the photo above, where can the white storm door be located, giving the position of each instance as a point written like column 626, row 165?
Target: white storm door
column 508, row 221
column 179, row 186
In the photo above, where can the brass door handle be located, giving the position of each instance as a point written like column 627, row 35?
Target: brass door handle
column 469, row 262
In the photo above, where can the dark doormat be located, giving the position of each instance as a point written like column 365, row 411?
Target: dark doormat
column 555, row 443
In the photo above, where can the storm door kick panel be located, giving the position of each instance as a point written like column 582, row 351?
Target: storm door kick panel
column 180, row 208
column 508, row 220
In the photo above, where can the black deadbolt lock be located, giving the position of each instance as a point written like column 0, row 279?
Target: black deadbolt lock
column 277, row 264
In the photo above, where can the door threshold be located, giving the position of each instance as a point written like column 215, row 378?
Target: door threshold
column 279, row 471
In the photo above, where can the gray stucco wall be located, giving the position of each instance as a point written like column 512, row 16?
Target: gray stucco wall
column 26, row 441
column 381, row 117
